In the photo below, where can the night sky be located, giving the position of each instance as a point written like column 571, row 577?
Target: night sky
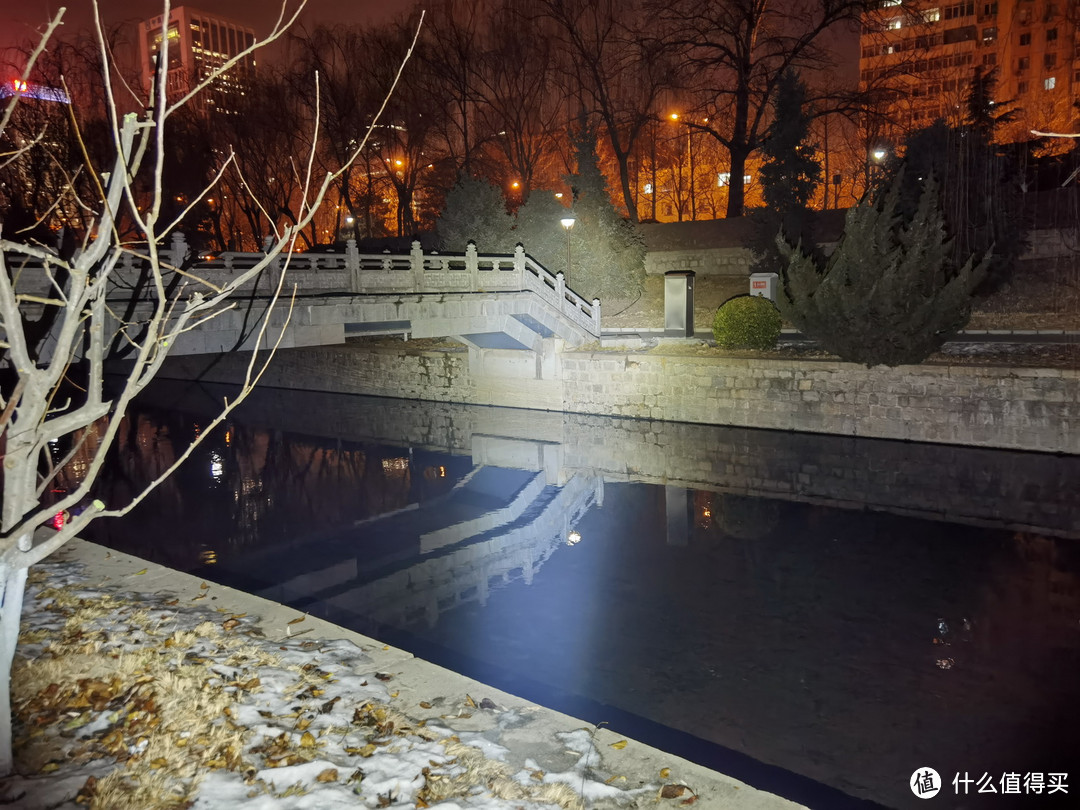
column 20, row 18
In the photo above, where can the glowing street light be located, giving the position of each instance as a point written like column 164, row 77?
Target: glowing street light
column 568, row 222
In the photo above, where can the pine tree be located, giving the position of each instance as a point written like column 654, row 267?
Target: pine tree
column 981, row 196
column 475, row 210
column 608, row 253
column 889, row 294
column 789, row 172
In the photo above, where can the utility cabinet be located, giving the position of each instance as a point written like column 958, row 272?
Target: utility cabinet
column 679, row 303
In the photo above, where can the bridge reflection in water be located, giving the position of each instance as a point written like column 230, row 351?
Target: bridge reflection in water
column 844, row 609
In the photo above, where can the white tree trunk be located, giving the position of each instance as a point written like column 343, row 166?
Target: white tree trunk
column 13, row 583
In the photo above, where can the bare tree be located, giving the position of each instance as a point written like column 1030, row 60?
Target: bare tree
column 618, row 73
column 38, row 406
column 520, row 104
column 734, row 52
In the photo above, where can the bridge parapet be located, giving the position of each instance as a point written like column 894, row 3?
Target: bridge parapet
column 470, row 271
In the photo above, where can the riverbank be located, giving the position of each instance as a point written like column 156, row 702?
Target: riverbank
column 140, row 687
column 997, row 406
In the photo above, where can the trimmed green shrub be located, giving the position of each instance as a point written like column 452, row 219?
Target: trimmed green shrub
column 747, row 322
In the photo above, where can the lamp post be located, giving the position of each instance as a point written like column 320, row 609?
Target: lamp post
column 568, row 222
column 690, row 158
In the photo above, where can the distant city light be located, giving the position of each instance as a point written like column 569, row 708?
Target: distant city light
column 19, row 87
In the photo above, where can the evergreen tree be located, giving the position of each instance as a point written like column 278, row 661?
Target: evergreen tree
column 539, row 231
column 608, row 253
column 789, row 175
column 890, row 293
column 475, row 210
column 789, row 172
column 981, row 195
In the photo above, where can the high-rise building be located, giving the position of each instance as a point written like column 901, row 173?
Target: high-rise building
column 198, row 43
column 924, row 54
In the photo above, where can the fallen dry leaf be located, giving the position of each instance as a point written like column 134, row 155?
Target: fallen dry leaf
column 308, row 740
column 297, row 621
column 329, row 775
column 665, row 773
column 139, row 573
column 621, row 744
column 424, row 704
column 672, row 791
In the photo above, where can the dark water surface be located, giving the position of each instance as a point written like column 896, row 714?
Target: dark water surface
column 843, row 610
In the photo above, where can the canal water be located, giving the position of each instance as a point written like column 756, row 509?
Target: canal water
column 797, row 611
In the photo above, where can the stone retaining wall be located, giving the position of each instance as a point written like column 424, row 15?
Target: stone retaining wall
column 970, row 485
column 1018, row 408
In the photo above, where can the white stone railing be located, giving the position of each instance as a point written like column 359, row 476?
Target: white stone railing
column 469, row 272
column 355, row 272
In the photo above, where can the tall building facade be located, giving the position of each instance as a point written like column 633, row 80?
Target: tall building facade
column 198, row 44
column 923, row 56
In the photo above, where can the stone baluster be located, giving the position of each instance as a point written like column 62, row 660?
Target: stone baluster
column 416, row 263
column 268, row 242
column 228, row 261
column 519, row 265
column 596, row 315
column 560, row 290
column 352, row 264
column 179, row 250
column 472, row 264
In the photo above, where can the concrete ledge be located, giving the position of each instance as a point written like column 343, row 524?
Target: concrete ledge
column 417, row 679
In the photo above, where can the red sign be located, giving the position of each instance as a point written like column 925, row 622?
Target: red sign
column 759, row 285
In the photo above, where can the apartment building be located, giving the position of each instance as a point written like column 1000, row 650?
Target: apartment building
column 198, row 43
column 923, row 55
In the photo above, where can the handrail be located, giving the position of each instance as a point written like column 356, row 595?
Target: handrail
column 356, row 272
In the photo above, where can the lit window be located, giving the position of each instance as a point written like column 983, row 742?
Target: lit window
column 989, row 34
column 893, row 24
column 932, row 15
column 723, row 179
column 1049, row 83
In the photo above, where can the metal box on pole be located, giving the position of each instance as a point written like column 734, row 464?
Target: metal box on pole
column 764, row 285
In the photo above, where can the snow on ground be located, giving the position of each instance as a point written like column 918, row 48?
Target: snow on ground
column 140, row 701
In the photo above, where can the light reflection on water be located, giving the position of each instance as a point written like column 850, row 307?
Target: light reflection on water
column 847, row 645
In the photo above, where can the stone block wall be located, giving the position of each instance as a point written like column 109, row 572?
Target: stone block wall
column 729, row 261
column 1022, row 408
column 1018, row 408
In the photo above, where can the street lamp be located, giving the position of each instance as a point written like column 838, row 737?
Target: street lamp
column 568, row 222
column 690, row 158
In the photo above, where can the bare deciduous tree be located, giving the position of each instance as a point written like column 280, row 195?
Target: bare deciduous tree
column 38, row 404
column 734, row 52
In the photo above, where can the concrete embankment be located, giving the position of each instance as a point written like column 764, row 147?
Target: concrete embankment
column 984, row 406
column 416, row 680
